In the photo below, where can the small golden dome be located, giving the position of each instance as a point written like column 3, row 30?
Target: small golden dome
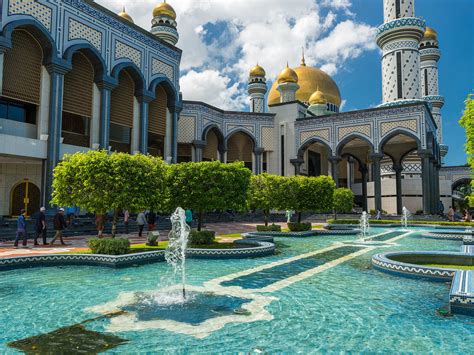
column 430, row 34
column 287, row 75
column 318, row 98
column 124, row 15
column 164, row 9
column 257, row 71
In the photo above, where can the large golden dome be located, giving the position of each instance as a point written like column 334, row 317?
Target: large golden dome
column 310, row 80
column 164, row 9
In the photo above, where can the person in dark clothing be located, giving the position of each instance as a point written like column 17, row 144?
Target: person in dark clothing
column 21, row 229
column 40, row 226
column 59, row 224
column 441, row 208
column 151, row 220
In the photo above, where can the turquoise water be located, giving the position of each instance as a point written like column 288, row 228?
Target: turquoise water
column 348, row 307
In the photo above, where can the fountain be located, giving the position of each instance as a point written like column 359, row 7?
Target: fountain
column 405, row 215
column 175, row 253
column 364, row 225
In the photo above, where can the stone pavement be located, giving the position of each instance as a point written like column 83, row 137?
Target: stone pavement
column 78, row 243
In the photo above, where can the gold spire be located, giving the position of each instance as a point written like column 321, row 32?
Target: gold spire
column 303, row 62
column 123, row 14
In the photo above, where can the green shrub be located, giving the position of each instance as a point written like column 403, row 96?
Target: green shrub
column 299, row 227
column 374, row 212
column 270, row 228
column 201, row 237
column 109, row 246
column 386, row 221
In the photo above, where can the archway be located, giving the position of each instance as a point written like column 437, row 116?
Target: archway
column 25, row 195
column 240, row 147
column 314, row 158
column 214, row 144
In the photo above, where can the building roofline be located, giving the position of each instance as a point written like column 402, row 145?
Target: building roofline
column 289, row 102
column 192, row 102
column 131, row 24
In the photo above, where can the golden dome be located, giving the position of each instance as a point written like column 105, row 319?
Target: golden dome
column 124, row 15
column 287, row 75
column 164, row 9
column 430, row 33
column 318, row 98
column 257, row 71
column 310, row 80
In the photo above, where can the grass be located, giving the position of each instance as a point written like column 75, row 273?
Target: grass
column 461, row 267
column 229, row 236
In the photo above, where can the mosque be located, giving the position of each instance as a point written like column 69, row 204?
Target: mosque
column 75, row 76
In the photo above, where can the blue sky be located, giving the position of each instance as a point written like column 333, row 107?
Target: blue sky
column 221, row 40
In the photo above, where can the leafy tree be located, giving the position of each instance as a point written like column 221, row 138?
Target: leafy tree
column 208, row 186
column 266, row 193
column 308, row 194
column 99, row 182
column 467, row 121
column 343, row 201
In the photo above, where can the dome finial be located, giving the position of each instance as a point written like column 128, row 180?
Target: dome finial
column 303, row 61
column 123, row 14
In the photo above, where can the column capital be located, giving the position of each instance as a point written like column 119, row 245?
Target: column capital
column 58, row 67
column 106, row 83
column 259, row 150
column 425, row 153
column 398, row 168
column 376, row 157
column 363, row 169
column 199, row 144
column 297, row 162
column 145, row 96
column 335, row 159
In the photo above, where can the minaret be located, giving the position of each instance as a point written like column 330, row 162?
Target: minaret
column 318, row 104
column 164, row 23
column 257, row 88
column 287, row 84
column 429, row 57
column 399, row 38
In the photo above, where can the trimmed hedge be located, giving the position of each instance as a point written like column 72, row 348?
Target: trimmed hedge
column 269, row 228
column 109, row 246
column 387, row 221
column 299, row 227
column 201, row 237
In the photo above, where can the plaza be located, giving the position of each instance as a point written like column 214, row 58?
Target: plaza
column 354, row 255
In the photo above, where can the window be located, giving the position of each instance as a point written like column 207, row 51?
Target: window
column 17, row 111
column 75, row 129
column 397, row 8
column 156, row 145
column 120, row 138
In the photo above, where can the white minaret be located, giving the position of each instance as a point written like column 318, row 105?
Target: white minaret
column 287, row 84
column 399, row 38
column 164, row 23
column 429, row 57
column 257, row 88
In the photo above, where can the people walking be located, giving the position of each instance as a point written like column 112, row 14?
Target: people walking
column 40, row 226
column 100, row 224
column 189, row 216
column 126, row 217
column 21, row 229
column 151, row 220
column 59, row 223
column 141, row 221
column 451, row 214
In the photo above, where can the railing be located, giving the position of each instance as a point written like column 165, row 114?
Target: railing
column 76, row 139
column 19, row 129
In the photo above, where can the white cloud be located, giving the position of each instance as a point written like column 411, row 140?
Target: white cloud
column 270, row 32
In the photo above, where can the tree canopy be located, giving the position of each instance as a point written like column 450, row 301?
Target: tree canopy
column 467, row 121
column 266, row 193
column 343, row 200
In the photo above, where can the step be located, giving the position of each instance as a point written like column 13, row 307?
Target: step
column 461, row 296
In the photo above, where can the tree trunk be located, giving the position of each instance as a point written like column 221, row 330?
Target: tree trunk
column 265, row 213
column 335, row 215
column 199, row 221
column 299, row 217
column 114, row 223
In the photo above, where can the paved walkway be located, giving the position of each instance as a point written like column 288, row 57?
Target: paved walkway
column 78, row 243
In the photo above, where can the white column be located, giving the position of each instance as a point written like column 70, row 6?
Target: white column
column 136, row 127
column 43, row 109
column 95, row 120
column 169, row 135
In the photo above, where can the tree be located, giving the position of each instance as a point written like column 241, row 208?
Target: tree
column 98, row 181
column 343, row 201
column 266, row 193
column 308, row 194
column 208, row 186
column 467, row 121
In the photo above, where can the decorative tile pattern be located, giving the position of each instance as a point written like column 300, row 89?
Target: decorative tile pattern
column 123, row 50
column 78, row 30
column 317, row 133
column 386, row 127
column 249, row 128
column 33, row 8
column 268, row 140
column 362, row 129
column 389, row 9
column 400, row 45
column 186, row 129
column 400, row 23
column 158, row 67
